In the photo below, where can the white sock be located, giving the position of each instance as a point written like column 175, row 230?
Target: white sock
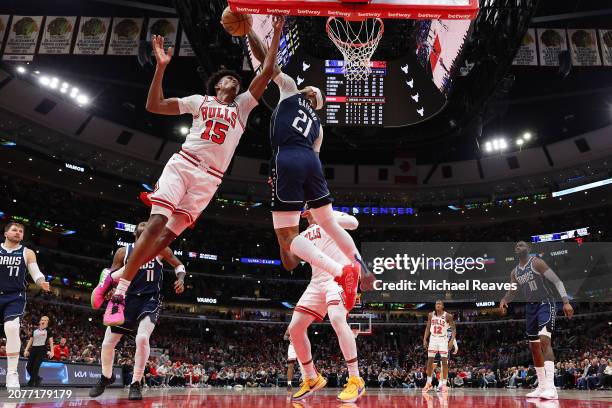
column 11, row 364
column 13, row 344
column 549, row 368
column 107, row 354
column 325, row 218
column 428, row 380
column 310, row 371
column 541, row 377
column 118, row 274
column 306, row 250
column 145, row 328
column 122, row 287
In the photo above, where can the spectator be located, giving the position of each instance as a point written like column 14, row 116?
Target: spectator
column 61, row 352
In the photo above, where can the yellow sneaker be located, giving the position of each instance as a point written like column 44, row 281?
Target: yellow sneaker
column 308, row 387
column 354, row 388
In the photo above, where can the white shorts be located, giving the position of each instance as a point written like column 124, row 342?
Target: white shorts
column 438, row 345
column 318, row 297
column 184, row 190
column 291, row 356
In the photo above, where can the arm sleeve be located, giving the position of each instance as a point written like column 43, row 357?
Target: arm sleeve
column 318, row 141
column 190, row 104
column 246, row 102
column 35, row 272
column 551, row 276
column 347, row 222
column 286, row 85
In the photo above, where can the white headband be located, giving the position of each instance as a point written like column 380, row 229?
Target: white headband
column 318, row 96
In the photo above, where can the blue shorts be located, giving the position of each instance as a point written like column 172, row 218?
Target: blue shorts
column 297, row 178
column 540, row 319
column 12, row 305
column 137, row 308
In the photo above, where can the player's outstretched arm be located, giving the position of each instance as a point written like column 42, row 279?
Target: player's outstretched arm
column 156, row 103
column 259, row 50
column 179, row 269
column 260, row 82
column 510, row 294
column 35, row 272
column 542, row 267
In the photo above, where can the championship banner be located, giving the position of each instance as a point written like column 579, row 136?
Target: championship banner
column 22, row 39
column 91, row 38
column 4, row 19
column 125, row 36
column 57, row 35
column 527, row 53
column 605, row 41
column 405, row 168
column 583, row 47
column 551, row 42
column 185, row 50
column 166, row 27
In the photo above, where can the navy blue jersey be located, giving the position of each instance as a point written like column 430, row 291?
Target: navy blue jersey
column 148, row 279
column 13, row 270
column 532, row 283
column 294, row 123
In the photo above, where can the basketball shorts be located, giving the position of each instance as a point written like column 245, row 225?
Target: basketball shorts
column 540, row 317
column 184, row 190
column 291, row 356
column 137, row 308
column 12, row 305
column 297, row 178
column 437, row 345
column 318, row 297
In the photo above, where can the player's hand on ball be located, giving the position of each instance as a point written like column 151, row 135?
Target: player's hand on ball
column 568, row 310
column 161, row 56
column 179, row 287
column 503, row 306
column 278, row 22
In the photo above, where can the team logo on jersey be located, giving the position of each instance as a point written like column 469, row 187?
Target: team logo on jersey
column 313, row 234
column 214, row 112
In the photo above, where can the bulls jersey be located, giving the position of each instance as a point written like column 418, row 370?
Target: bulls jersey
column 148, row 279
column 294, row 122
column 532, row 283
column 439, row 326
column 13, row 270
column 217, row 127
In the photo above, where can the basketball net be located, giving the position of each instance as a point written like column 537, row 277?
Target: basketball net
column 357, row 41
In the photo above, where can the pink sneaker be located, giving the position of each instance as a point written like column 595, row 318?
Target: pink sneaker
column 113, row 316
column 99, row 293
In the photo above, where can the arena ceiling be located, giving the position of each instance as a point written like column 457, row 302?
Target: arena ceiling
column 518, row 99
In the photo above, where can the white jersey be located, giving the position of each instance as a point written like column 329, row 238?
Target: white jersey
column 327, row 245
column 439, row 325
column 216, row 128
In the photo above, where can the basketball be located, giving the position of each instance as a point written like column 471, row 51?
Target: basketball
column 236, row 24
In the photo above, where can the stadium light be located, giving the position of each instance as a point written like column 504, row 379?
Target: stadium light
column 488, row 147
column 527, row 135
column 82, row 99
column 520, row 142
column 44, row 80
column 21, row 70
column 184, row 130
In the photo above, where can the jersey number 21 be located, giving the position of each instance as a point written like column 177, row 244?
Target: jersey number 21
column 300, row 120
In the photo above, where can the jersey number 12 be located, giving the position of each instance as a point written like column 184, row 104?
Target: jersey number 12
column 300, row 120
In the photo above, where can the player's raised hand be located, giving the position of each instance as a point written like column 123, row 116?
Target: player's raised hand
column 568, row 310
column 163, row 58
column 503, row 307
column 179, row 286
column 278, row 22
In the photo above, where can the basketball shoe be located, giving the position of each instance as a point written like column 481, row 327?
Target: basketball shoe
column 354, row 388
column 105, row 284
column 309, row 386
column 549, row 393
column 427, row 387
column 349, row 281
column 113, row 316
column 535, row 393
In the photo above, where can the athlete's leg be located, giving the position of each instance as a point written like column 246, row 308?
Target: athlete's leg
column 289, row 373
column 145, row 328
column 444, row 375
column 107, row 354
column 298, row 330
column 13, row 345
column 346, row 339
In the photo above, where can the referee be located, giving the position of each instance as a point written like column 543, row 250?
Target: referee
column 38, row 345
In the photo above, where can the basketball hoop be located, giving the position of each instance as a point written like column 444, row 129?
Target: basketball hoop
column 357, row 41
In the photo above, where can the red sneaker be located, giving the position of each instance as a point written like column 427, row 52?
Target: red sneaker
column 349, row 281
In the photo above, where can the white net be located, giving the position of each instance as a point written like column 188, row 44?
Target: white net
column 357, row 41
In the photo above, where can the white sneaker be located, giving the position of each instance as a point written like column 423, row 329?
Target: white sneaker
column 549, row 394
column 535, row 393
column 12, row 381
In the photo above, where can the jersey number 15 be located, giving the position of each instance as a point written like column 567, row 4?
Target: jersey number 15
column 300, row 120
column 215, row 131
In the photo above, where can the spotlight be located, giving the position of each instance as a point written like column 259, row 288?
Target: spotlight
column 82, row 100
column 520, row 142
column 496, row 144
column 503, row 144
column 55, row 80
column 65, row 85
column 527, row 136
column 184, row 130
column 488, row 147
column 21, row 70
column 63, row 90
column 44, row 80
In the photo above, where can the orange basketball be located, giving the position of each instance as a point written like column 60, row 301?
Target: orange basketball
column 236, row 24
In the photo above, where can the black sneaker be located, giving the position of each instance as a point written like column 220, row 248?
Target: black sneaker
column 99, row 388
column 135, row 394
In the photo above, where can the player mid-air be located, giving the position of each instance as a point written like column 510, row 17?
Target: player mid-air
column 15, row 262
column 142, row 307
column 321, row 297
column 438, row 323
column 531, row 275
column 191, row 177
column 297, row 178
